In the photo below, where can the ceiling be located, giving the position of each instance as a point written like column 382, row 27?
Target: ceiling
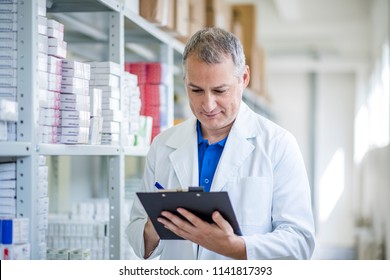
column 337, row 29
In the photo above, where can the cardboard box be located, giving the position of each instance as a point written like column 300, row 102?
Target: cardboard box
column 9, row 8
column 75, row 122
column 110, row 104
column 197, row 16
column 8, row 110
column 73, row 131
column 108, row 91
column 105, row 79
column 74, row 89
column 257, row 83
column 81, row 115
column 15, row 251
column 78, row 139
column 160, row 12
column 95, row 130
column 96, row 101
column 112, row 115
column 106, row 67
column 70, row 72
column 218, row 14
column 182, row 19
column 111, row 127
column 48, row 130
column 243, row 26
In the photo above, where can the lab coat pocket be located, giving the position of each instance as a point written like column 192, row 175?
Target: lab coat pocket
column 251, row 198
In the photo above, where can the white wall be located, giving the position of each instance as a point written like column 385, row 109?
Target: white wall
column 290, row 94
column 340, row 89
column 290, row 97
column 334, row 158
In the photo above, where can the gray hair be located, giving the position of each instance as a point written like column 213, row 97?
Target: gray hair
column 212, row 44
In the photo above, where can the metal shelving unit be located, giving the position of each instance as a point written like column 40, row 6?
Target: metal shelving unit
column 121, row 27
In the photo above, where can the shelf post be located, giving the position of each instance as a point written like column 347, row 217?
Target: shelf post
column 117, row 163
column 27, row 167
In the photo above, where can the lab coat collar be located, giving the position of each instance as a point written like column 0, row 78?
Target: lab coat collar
column 185, row 158
column 237, row 147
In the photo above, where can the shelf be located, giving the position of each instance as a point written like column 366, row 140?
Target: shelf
column 65, row 6
column 257, row 103
column 95, row 30
column 86, row 150
column 76, row 150
column 15, row 149
column 140, row 30
column 136, row 151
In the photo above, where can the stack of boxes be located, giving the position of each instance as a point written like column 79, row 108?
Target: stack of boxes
column 52, row 49
column 131, row 110
column 8, row 119
column 152, row 82
column 8, row 72
column 106, row 77
column 96, row 120
column 89, row 238
column 15, row 247
column 14, row 241
column 75, row 103
column 43, row 206
column 84, row 230
column 7, row 189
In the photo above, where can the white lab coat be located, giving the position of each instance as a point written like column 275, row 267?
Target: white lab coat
column 262, row 170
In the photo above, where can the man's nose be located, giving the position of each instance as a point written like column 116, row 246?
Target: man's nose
column 209, row 102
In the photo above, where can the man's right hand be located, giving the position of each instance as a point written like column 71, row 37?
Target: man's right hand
column 151, row 238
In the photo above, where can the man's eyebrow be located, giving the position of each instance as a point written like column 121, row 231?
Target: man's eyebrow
column 221, row 86
column 216, row 87
column 193, row 85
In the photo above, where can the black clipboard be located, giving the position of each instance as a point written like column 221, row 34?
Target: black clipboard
column 202, row 204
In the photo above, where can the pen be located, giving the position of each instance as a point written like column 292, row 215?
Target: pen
column 158, row 186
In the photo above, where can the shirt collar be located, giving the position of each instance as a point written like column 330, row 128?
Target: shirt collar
column 201, row 140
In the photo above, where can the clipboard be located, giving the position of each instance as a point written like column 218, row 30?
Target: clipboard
column 202, row 204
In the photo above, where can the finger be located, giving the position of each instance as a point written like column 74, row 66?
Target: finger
column 193, row 219
column 175, row 222
column 221, row 222
column 167, row 218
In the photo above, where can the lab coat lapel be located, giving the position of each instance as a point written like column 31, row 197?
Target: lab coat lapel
column 237, row 148
column 185, row 158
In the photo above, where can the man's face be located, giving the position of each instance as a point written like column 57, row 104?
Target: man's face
column 214, row 93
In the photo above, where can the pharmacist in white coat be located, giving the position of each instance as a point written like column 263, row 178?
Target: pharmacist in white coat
column 226, row 147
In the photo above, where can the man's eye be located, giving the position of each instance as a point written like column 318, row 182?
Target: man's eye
column 197, row 90
column 220, row 91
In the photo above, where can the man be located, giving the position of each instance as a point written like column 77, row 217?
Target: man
column 227, row 147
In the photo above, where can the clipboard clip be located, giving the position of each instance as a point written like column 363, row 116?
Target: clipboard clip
column 189, row 189
column 195, row 189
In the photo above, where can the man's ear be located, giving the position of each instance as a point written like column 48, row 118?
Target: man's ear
column 246, row 77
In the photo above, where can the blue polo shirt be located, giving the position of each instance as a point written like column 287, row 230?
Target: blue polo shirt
column 208, row 158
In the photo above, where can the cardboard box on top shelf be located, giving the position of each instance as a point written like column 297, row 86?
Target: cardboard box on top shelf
column 257, row 83
column 182, row 19
column 159, row 12
column 243, row 26
column 197, row 16
column 218, row 14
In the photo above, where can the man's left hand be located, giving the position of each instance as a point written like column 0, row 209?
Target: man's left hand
column 218, row 237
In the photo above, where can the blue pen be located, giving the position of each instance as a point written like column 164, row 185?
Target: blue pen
column 158, row 186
